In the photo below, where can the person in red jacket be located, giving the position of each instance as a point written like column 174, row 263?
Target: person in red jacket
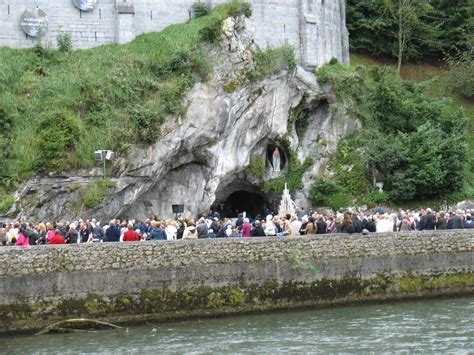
column 22, row 239
column 130, row 235
column 57, row 238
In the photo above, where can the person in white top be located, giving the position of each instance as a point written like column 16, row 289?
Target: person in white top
column 190, row 231
column 270, row 229
column 296, row 225
column 384, row 224
column 170, row 230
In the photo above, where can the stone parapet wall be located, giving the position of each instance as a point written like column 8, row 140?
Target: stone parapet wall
column 19, row 261
column 162, row 280
column 316, row 29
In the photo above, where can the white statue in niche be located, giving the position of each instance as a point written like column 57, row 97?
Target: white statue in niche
column 276, row 160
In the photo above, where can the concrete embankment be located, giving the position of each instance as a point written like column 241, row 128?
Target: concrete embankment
column 165, row 280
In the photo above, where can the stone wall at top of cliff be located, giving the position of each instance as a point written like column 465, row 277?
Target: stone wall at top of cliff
column 317, row 29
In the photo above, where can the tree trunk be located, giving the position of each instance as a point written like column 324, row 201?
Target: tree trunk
column 400, row 36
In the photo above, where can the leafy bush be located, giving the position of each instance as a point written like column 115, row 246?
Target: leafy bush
column 212, row 30
column 273, row 60
column 200, row 9
column 408, row 141
column 40, row 51
column 94, row 194
column 64, row 42
column 301, row 123
column 236, row 7
column 257, row 166
column 323, row 188
column 332, row 72
column 6, row 202
column 57, row 135
column 345, row 81
column 375, row 198
column 147, row 123
column 461, row 73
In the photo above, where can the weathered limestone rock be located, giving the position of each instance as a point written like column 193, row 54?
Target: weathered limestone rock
column 204, row 156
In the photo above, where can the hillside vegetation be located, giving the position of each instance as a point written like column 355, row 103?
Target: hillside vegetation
column 58, row 107
column 413, row 143
column 418, row 130
column 437, row 81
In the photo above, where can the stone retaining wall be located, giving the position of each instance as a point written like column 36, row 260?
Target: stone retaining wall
column 161, row 280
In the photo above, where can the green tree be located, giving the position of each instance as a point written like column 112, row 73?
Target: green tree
column 370, row 31
column 407, row 15
column 455, row 23
column 444, row 30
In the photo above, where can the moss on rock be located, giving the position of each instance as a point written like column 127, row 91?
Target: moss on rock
column 164, row 304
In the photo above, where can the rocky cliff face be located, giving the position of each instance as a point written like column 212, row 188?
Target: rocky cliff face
column 203, row 157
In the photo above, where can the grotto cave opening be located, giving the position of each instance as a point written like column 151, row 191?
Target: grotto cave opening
column 254, row 203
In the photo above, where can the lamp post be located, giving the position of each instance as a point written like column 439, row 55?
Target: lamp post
column 104, row 155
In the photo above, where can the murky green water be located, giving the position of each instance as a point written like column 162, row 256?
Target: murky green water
column 441, row 325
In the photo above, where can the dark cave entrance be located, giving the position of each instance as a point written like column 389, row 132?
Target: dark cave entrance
column 253, row 203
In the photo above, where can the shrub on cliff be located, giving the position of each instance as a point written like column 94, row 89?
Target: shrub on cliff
column 64, row 42
column 57, row 136
column 94, row 194
column 273, row 60
column 6, row 201
column 234, row 8
column 257, row 166
column 212, row 30
column 200, row 9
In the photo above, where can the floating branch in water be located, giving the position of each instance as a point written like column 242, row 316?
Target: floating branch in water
column 74, row 325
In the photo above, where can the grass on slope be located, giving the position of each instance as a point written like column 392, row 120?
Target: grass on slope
column 437, row 86
column 57, row 108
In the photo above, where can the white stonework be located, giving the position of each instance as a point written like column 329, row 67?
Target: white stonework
column 287, row 206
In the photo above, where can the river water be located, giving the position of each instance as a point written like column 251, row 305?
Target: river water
column 425, row 326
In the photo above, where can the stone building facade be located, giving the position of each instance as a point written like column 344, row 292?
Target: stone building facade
column 316, row 28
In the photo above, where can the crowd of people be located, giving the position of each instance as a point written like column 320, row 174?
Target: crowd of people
column 213, row 226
